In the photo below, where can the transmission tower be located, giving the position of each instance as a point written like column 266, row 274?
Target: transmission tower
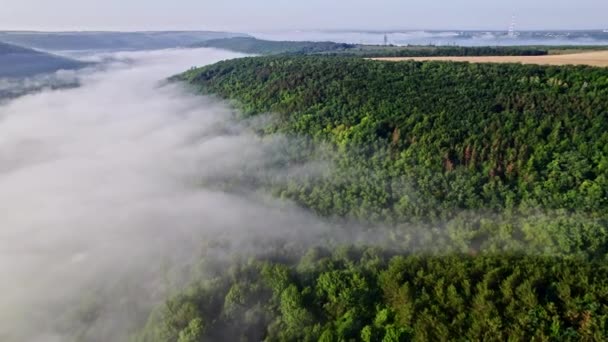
column 512, row 33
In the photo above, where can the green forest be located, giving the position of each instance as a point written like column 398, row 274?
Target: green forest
column 483, row 189
column 266, row 47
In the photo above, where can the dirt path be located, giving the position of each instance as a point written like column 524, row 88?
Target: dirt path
column 596, row 58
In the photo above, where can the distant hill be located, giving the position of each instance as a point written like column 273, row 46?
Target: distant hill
column 110, row 40
column 268, row 47
column 16, row 61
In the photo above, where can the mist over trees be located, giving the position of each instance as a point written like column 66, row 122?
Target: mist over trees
column 487, row 183
column 431, row 139
column 336, row 199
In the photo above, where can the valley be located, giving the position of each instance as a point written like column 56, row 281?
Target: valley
column 187, row 186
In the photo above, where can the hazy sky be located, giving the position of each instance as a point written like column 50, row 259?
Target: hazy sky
column 256, row 15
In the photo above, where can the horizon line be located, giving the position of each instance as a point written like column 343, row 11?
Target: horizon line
column 337, row 30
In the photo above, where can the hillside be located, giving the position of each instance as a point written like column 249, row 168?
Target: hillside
column 109, row 40
column 17, row 61
column 484, row 187
column 268, row 47
column 501, row 133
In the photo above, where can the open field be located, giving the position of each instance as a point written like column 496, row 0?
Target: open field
column 596, row 58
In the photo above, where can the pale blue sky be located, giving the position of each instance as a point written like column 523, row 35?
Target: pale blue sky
column 252, row 15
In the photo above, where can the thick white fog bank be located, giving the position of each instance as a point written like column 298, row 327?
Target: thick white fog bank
column 106, row 181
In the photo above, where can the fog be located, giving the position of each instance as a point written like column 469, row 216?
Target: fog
column 105, row 186
column 439, row 38
column 110, row 191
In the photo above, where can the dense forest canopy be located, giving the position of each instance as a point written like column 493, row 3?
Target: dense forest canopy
column 464, row 136
column 365, row 295
column 488, row 184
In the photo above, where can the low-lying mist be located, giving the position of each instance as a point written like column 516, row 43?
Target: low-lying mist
column 439, row 38
column 105, row 186
column 113, row 193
